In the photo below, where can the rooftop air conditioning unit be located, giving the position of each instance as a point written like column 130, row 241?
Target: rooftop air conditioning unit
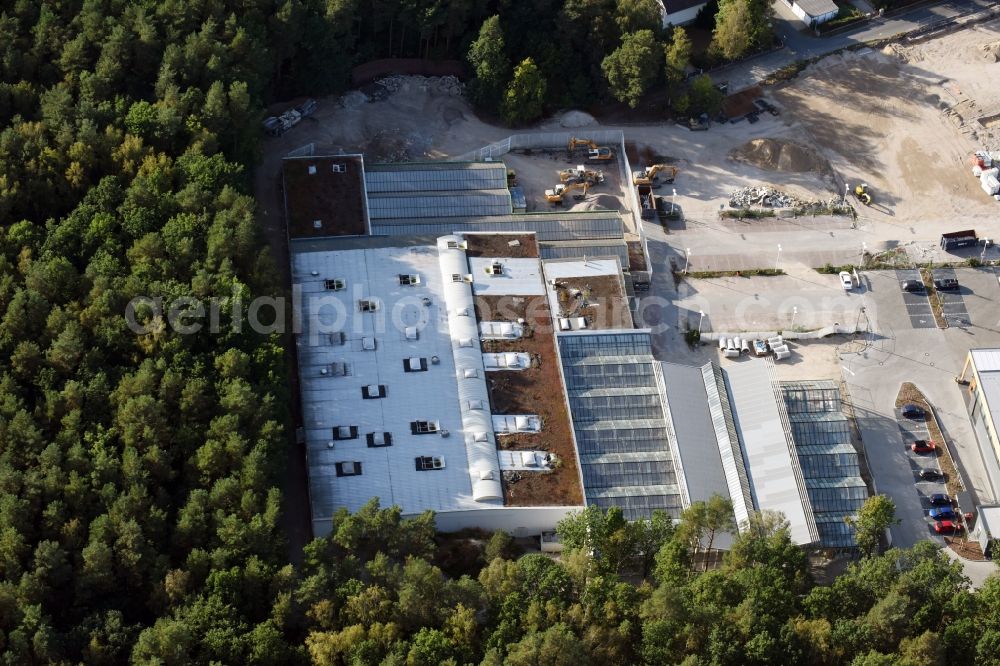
column 445, row 433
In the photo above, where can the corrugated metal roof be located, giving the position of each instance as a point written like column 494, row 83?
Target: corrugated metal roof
column 986, row 360
column 439, row 204
column 548, row 227
column 768, row 451
column 816, row 8
column 697, row 444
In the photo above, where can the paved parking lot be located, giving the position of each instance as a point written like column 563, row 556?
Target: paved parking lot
column 930, row 357
column 912, row 430
column 952, row 302
column 918, row 306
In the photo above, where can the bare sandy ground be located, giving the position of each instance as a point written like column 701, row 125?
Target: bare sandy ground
column 882, row 118
column 904, row 120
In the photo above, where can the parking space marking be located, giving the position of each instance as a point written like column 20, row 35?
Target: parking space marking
column 953, row 306
column 918, row 305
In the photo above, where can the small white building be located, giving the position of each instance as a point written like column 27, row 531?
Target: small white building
column 679, row 12
column 814, row 12
column 987, row 527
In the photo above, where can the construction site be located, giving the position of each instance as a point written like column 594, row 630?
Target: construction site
column 742, row 248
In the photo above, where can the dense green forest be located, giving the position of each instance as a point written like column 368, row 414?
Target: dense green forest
column 139, row 507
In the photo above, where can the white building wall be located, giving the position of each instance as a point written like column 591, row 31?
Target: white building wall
column 519, row 521
column 682, row 17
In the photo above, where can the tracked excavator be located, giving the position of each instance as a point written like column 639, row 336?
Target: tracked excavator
column 594, row 152
column 556, row 194
column 652, row 175
column 861, row 194
column 581, row 174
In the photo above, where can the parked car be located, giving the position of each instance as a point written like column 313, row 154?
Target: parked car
column 940, row 499
column 846, row 281
column 930, row 475
column 946, row 284
column 922, row 446
column 942, row 513
column 947, row 527
column 911, row 411
column 911, row 285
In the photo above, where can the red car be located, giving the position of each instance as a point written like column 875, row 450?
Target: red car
column 923, row 446
column 946, row 527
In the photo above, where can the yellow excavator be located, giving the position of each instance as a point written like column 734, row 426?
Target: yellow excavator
column 594, row 152
column 861, row 194
column 651, row 175
column 556, row 194
column 579, row 174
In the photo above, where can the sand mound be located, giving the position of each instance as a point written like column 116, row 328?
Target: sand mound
column 576, row 119
column 991, row 51
column 778, row 155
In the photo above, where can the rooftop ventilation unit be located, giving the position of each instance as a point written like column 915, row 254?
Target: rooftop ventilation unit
column 317, row 224
column 494, row 269
column 311, row 169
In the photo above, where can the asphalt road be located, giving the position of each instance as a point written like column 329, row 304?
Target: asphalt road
column 803, row 45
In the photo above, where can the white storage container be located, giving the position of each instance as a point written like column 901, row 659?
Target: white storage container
column 976, row 171
column 990, row 184
column 778, row 355
column 722, row 343
column 994, row 171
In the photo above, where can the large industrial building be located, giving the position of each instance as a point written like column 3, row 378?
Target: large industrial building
column 458, row 356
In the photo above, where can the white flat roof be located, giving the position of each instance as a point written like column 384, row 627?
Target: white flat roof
column 520, row 277
column 986, row 360
column 767, row 447
column 328, row 401
column 990, row 518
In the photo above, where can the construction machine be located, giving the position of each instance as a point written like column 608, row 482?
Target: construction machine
column 861, row 194
column 594, row 152
column 650, row 175
column 579, row 174
column 556, row 194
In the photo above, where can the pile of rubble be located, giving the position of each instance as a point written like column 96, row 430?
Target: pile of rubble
column 353, row 99
column 762, row 196
column 444, row 85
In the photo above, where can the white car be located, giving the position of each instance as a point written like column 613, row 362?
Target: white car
column 845, row 281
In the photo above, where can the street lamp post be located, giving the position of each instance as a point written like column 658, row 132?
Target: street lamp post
column 847, row 188
column 779, row 257
column 795, row 311
column 986, row 244
column 672, row 201
column 687, row 261
column 701, row 318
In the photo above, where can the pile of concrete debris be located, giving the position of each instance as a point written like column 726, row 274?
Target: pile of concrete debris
column 762, row 196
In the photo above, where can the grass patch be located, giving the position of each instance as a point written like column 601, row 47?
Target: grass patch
column 846, row 15
column 750, row 272
column 747, row 213
column 910, row 394
column 823, row 209
column 830, row 269
column 932, row 295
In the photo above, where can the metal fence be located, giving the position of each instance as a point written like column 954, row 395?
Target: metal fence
column 307, row 150
column 559, row 140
